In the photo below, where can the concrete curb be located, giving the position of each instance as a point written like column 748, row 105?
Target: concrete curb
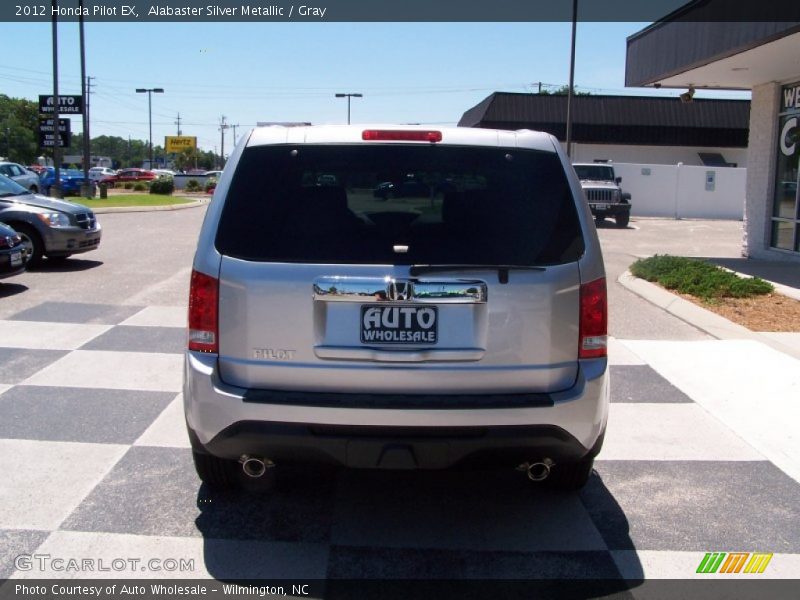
column 704, row 320
column 131, row 209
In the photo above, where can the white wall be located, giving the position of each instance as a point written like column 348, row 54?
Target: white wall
column 658, row 155
column 679, row 191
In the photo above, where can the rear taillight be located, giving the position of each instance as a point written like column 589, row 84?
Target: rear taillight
column 401, row 135
column 203, row 311
column 594, row 320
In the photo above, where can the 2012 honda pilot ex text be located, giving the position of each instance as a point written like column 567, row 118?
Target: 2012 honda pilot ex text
column 397, row 297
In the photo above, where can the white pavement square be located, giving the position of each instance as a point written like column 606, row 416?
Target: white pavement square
column 748, row 386
column 655, row 564
column 620, row 354
column 169, row 429
column 159, row 316
column 644, row 431
column 114, row 370
column 162, row 557
column 43, row 482
column 39, row 335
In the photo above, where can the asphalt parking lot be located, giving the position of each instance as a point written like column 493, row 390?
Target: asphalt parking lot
column 90, row 373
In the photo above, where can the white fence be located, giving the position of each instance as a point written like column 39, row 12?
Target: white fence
column 681, row 191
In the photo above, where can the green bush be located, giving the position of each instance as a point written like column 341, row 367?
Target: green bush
column 162, row 185
column 192, row 186
column 698, row 278
column 128, row 185
column 210, row 184
column 139, row 187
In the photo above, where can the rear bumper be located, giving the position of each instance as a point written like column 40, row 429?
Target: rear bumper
column 226, row 421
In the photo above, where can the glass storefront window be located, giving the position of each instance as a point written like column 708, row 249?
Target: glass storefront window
column 786, row 202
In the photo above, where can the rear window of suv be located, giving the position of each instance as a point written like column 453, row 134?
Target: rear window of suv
column 399, row 204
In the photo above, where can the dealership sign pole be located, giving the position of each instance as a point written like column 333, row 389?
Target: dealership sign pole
column 57, row 144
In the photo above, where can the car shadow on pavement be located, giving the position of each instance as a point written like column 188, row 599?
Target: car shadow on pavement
column 11, row 289
column 66, row 265
column 418, row 534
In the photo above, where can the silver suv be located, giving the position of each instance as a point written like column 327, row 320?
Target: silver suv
column 458, row 321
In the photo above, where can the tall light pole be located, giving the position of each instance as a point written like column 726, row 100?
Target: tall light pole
column 570, row 91
column 348, row 96
column 150, row 92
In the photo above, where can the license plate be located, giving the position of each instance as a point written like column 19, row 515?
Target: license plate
column 601, row 206
column 393, row 324
column 16, row 259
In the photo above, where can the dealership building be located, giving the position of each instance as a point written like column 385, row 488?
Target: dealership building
column 683, row 52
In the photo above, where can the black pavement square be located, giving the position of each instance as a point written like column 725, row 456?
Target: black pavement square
column 155, row 491
column 694, row 506
column 17, row 364
column 16, row 542
column 74, row 312
column 126, row 338
column 79, row 414
column 349, row 562
column 640, row 383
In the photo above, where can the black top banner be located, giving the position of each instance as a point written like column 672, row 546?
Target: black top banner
column 402, row 10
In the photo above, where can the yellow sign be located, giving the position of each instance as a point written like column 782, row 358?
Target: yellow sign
column 179, row 143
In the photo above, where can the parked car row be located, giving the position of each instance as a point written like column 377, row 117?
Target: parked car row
column 34, row 227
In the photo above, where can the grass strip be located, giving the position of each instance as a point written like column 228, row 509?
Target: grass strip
column 698, row 278
column 126, row 200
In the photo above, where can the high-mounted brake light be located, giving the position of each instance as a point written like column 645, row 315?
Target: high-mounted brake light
column 203, row 313
column 401, row 135
column 593, row 330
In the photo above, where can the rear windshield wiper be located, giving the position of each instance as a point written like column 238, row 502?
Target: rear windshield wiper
column 502, row 270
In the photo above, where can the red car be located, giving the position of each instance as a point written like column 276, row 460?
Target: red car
column 126, row 175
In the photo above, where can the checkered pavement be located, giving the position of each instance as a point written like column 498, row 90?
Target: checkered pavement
column 702, row 454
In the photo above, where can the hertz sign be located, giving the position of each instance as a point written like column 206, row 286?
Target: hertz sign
column 178, row 143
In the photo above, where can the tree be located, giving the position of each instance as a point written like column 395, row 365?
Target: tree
column 186, row 159
column 562, row 91
column 18, row 127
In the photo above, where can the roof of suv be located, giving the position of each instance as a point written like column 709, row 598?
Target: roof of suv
column 351, row 134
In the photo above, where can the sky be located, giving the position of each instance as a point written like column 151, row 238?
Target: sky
column 408, row 72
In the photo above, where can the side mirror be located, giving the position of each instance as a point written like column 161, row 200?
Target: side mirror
column 618, row 180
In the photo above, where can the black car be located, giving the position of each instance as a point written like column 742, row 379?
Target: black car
column 13, row 253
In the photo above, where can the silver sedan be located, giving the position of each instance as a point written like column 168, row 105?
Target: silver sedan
column 27, row 179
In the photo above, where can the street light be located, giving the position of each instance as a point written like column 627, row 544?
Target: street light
column 348, row 96
column 150, row 92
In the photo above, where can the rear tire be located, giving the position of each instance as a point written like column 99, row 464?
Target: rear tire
column 217, row 473
column 622, row 220
column 571, row 476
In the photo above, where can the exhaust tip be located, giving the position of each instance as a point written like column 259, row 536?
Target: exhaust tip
column 537, row 471
column 255, row 467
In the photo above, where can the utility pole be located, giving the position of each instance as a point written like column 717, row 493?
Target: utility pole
column 86, row 188
column 234, row 133
column 570, row 91
column 56, row 188
column 222, row 127
column 178, row 123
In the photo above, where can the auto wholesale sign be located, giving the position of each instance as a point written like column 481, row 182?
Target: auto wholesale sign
column 47, row 133
column 178, row 143
column 67, row 105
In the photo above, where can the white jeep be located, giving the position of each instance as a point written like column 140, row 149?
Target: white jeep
column 603, row 192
